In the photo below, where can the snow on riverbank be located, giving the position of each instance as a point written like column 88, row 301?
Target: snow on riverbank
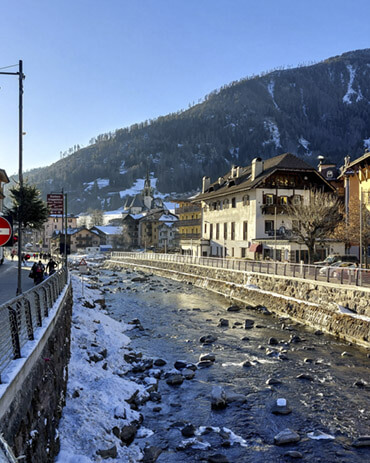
column 97, row 389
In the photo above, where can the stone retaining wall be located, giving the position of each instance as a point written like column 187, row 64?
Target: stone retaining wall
column 32, row 405
column 310, row 303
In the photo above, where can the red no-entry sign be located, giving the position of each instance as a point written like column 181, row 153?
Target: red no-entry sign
column 5, row 231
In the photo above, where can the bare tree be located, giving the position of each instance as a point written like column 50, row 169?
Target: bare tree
column 96, row 217
column 316, row 220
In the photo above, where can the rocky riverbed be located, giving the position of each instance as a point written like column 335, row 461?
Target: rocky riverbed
column 233, row 384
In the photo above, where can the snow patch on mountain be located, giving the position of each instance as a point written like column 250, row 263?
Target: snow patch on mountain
column 271, row 90
column 271, row 127
column 350, row 91
column 101, row 183
column 303, row 142
column 367, row 143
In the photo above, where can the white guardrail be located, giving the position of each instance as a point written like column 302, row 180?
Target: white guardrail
column 338, row 275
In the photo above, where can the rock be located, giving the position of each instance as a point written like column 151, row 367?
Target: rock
column 295, row 339
column 209, row 356
column 187, row 373
column 128, row 433
column 273, row 382
column 88, row 305
column 318, row 333
column 151, row 454
column 248, row 324
column 273, row 342
column 108, row 453
column 76, row 393
column 95, row 358
column 246, row 364
column 175, row 380
column 308, row 360
column 305, row 376
column 218, row 398
column 233, row 397
column 245, row 339
column 140, row 279
column 281, row 407
column 208, row 339
column 265, row 311
column 155, row 396
column 217, row 458
column 361, row 384
column 346, row 354
column 286, row 436
column 159, row 362
column 362, row 441
column 233, row 308
column 188, row 430
column 293, row 454
column 205, row 364
column 223, row 322
column 180, row 364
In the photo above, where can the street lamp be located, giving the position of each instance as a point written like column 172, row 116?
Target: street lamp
column 21, row 76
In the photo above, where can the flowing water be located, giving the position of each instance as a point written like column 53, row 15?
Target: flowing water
column 332, row 397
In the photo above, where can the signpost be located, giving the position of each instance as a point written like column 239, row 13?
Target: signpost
column 55, row 203
column 5, row 231
column 82, row 266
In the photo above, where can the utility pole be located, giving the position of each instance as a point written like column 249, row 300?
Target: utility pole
column 21, row 76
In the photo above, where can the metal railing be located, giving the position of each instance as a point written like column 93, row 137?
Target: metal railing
column 20, row 316
column 337, row 275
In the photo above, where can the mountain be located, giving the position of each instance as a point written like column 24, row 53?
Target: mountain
column 321, row 109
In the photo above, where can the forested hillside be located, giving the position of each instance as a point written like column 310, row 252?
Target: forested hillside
column 319, row 109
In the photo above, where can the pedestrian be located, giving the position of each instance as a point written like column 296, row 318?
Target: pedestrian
column 50, row 268
column 37, row 272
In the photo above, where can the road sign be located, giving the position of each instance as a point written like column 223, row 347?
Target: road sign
column 55, row 203
column 82, row 266
column 5, row 231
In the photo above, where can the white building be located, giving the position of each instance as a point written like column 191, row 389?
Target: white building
column 244, row 212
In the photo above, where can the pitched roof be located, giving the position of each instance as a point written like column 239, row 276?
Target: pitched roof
column 287, row 162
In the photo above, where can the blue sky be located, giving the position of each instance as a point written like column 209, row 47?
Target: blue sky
column 96, row 65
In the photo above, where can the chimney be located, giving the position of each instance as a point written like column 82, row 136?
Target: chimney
column 257, row 167
column 238, row 171
column 220, row 179
column 206, row 181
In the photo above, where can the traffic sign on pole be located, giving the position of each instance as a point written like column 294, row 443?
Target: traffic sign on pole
column 5, row 231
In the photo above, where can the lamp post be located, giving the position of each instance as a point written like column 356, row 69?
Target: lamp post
column 21, row 76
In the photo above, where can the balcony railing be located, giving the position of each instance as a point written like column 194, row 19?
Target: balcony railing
column 187, row 223
column 339, row 276
column 190, row 208
column 269, row 209
column 187, row 236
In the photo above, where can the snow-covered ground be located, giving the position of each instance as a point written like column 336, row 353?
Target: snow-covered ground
column 97, row 388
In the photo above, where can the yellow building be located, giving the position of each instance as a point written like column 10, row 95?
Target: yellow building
column 189, row 226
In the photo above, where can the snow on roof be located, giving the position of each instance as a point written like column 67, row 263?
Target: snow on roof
column 168, row 218
column 109, row 229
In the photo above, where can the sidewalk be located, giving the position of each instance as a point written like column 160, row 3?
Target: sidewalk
column 8, row 279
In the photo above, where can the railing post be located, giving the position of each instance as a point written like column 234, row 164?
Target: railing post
column 28, row 316
column 276, row 268
column 357, row 275
column 14, row 333
column 38, row 309
column 285, row 266
column 315, row 273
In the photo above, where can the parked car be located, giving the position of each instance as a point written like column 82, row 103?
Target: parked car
column 346, row 268
column 335, row 268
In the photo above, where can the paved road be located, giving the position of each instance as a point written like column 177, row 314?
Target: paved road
column 8, row 279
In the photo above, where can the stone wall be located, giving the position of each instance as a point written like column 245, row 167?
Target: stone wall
column 313, row 304
column 32, row 405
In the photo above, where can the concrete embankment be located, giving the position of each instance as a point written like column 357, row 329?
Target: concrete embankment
column 315, row 304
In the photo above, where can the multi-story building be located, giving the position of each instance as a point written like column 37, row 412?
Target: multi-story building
column 245, row 211
column 55, row 223
column 189, row 226
column 356, row 179
column 148, row 228
column 78, row 239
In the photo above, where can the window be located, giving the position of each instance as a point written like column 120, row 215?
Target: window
column 269, row 199
column 217, row 231
column 211, row 231
column 283, row 200
column 243, row 252
column 246, row 200
column 225, row 231
column 233, row 230
column 233, row 203
column 245, row 231
column 269, row 227
column 205, row 228
column 226, row 204
column 232, row 252
column 297, row 199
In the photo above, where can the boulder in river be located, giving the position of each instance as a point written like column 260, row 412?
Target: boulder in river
column 175, row 380
column 208, row 339
column 362, row 441
column 281, row 407
column 217, row 458
column 287, row 436
column 218, row 398
column 223, row 322
column 128, row 433
column 209, row 356
column 151, row 454
column 233, row 308
column 248, row 324
column 108, row 453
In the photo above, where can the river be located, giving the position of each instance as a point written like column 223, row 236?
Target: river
column 323, row 380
